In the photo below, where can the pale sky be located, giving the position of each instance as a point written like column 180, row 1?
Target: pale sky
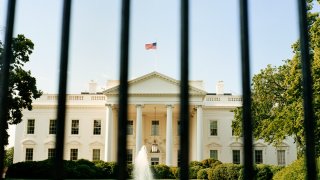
column 94, row 43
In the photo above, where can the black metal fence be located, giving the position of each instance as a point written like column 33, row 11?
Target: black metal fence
column 184, row 93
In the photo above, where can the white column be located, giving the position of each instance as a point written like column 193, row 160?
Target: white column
column 199, row 133
column 108, row 135
column 139, row 128
column 169, row 136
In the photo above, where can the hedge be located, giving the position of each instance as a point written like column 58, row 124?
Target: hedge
column 296, row 171
column 203, row 173
column 161, row 171
column 206, row 169
column 44, row 170
column 175, row 172
column 224, row 171
column 210, row 163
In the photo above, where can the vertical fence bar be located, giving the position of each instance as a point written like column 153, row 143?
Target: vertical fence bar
column 307, row 92
column 63, row 77
column 4, row 75
column 246, row 90
column 184, row 90
column 123, row 94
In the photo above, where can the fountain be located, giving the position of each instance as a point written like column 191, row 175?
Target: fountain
column 142, row 169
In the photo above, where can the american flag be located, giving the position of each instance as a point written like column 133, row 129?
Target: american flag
column 151, row 46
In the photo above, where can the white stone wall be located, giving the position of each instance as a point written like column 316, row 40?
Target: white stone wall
column 154, row 91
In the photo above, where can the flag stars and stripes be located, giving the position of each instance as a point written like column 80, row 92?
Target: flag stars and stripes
column 151, row 46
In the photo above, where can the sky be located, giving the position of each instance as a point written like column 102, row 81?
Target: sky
column 95, row 36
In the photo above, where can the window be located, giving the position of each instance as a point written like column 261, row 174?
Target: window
column 258, row 157
column 95, row 154
column 236, row 156
column 73, row 154
column 29, row 154
column 214, row 154
column 129, row 156
column 130, row 127
column 30, row 126
column 51, row 153
column 97, row 127
column 75, row 127
column 281, row 157
column 52, row 126
column 213, row 128
column 155, row 128
column 154, row 161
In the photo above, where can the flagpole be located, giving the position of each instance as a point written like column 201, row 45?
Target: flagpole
column 155, row 60
column 156, row 56
column 153, row 46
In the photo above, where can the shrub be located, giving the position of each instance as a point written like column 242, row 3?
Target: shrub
column 195, row 163
column 130, row 170
column 160, row 171
column 263, row 172
column 44, row 169
column 32, row 170
column 193, row 170
column 203, row 173
column 108, row 169
column 210, row 163
column 175, row 172
column 274, row 169
column 296, row 171
column 224, row 171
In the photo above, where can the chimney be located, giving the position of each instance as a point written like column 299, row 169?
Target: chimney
column 220, row 88
column 92, row 87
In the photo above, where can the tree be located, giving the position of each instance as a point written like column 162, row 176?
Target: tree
column 277, row 100
column 22, row 86
column 8, row 160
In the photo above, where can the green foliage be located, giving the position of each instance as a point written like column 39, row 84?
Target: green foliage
column 296, row 171
column 160, row 171
column 108, row 169
column 203, row 173
column 277, row 102
column 224, row 172
column 44, row 170
column 32, row 169
column 263, row 172
column 130, row 170
column 195, row 163
column 210, row 163
column 193, row 171
column 274, row 169
column 175, row 172
column 8, row 159
column 22, row 86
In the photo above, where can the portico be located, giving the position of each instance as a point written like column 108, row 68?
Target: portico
column 153, row 116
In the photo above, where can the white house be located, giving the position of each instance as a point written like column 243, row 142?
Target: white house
column 153, row 119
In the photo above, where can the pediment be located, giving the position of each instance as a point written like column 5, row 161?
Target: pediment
column 259, row 144
column 236, row 144
column 212, row 145
column 75, row 143
column 28, row 142
column 50, row 142
column 154, row 83
column 282, row 144
column 96, row 143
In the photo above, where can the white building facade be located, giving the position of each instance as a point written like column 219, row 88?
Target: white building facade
column 153, row 120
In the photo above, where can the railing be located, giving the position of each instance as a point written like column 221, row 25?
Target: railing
column 184, row 111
